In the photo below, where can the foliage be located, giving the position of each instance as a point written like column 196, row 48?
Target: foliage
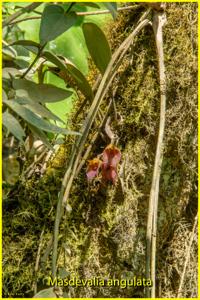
column 25, row 100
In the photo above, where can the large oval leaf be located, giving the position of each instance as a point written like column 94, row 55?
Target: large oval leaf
column 12, row 124
column 39, row 92
column 97, row 45
column 36, row 121
column 69, row 68
column 54, row 22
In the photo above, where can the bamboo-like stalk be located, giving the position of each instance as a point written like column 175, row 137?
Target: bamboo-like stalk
column 159, row 20
column 79, row 145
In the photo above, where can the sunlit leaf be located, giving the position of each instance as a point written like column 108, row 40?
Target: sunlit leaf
column 28, row 44
column 38, row 109
column 43, row 93
column 54, row 22
column 13, row 125
column 36, row 121
column 69, row 68
column 97, row 45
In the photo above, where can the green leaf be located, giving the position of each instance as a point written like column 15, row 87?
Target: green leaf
column 54, row 22
column 36, row 121
column 46, row 293
column 97, row 45
column 40, row 135
column 71, row 69
column 38, row 109
column 26, row 43
column 39, row 92
column 12, row 124
column 9, row 72
column 9, row 52
column 112, row 7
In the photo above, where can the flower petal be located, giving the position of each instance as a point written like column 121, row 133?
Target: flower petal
column 93, row 168
column 111, row 155
column 109, row 173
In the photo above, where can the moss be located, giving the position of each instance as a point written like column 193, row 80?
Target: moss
column 104, row 232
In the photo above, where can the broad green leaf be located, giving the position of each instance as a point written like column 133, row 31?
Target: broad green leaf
column 71, row 69
column 71, row 44
column 39, row 92
column 12, row 124
column 38, row 109
column 54, row 22
column 36, row 121
column 46, row 293
column 40, row 135
column 62, row 108
column 97, row 45
column 8, row 51
column 112, row 7
column 26, row 43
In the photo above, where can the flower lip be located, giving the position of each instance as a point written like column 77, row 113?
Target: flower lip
column 93, row 168
column 111, row 157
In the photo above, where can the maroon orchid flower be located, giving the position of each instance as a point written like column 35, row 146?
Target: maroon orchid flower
column 93, row 168
column 111, row 157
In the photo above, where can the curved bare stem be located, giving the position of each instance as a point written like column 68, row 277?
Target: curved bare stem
column 159, row 20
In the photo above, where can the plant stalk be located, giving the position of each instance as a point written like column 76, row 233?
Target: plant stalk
column 159, row 20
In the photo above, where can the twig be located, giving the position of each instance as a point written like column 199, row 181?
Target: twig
column 159, row 20
column 79, row 145
column 30, row 169
column 38, row 260
column 82, row 14
column 20, row 12
column 179, row 295
column 35, row 60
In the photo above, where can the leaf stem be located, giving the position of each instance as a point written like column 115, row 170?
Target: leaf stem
column 20, row 12
column 159, row 20
column 34, row 61
column 85, row 13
